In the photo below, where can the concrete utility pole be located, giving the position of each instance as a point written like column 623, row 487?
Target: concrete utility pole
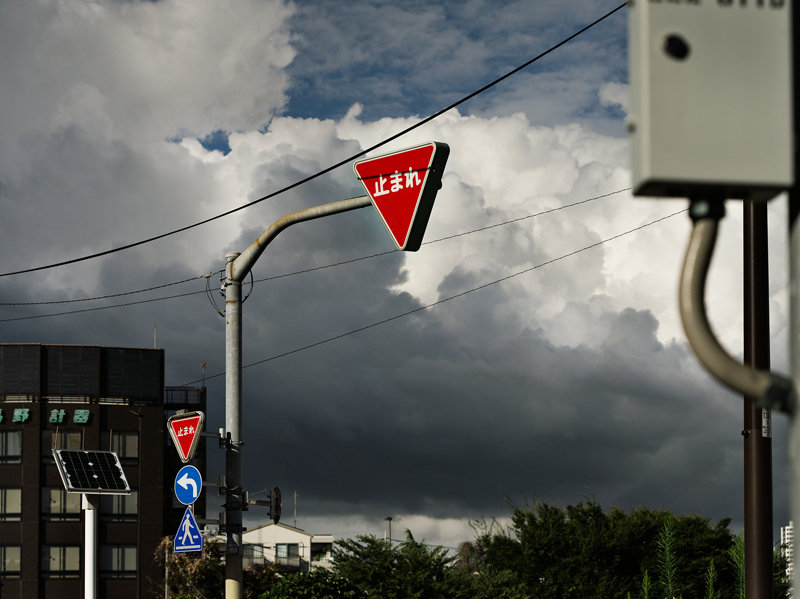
column 237, row 267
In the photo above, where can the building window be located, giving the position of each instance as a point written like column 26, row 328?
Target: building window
column 119, row 508
column 118, row 561
column 321, row 551
column 9, row 561
column 287, row 550
column 11, row 447
column 124, row 444
column 61, row 561
column 10, row 504
column 253, row 555
column 60, row 439
column 57, row 504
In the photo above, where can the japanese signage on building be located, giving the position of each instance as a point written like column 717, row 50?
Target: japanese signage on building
column 54, row 416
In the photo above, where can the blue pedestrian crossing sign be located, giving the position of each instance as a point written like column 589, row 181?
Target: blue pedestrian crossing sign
column 188, row 537
column 188, row 484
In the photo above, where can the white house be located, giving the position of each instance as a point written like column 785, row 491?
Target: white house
column 286, row 547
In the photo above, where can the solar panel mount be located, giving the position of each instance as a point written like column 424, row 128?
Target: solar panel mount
column 91, row 472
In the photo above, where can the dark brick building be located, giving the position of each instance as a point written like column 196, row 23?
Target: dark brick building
column 86, row 397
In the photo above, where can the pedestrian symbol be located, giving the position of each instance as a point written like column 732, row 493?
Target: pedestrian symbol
column 188, row 537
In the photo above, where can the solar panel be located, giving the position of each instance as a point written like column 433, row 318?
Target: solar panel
column 90, row 471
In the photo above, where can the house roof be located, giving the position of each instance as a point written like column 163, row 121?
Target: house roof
column 279, row 525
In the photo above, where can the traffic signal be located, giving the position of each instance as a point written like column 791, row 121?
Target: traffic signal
column 275, row 504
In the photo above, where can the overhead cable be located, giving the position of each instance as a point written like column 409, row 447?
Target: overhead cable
column 109, row 296
column 207, row 276
column 445, row 299
column 98, row 308
column 325, row 170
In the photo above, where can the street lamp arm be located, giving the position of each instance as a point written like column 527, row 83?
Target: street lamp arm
column 244, row 262
column 237, row 266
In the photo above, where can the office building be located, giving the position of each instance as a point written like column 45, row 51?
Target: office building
column 86, row 397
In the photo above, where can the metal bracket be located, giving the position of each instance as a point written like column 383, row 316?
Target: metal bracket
column 768, row 389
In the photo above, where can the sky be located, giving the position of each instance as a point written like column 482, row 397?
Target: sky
column 530, row 350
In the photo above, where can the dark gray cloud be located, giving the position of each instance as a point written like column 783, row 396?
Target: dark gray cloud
column 565, row 380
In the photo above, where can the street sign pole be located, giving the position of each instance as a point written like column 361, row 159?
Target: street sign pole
column 415, row 184
column 237, row 266
column 233, row 421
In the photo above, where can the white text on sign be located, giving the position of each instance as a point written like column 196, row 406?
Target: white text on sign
column 396, row 182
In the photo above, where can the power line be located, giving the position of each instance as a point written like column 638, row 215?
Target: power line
column 98, row 308
column 110, row 296
column 274, row 277
column 446, row 299
column 486, row 228
column 327, row 169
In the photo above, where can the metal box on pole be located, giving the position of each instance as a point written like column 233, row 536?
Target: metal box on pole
column 711, row 98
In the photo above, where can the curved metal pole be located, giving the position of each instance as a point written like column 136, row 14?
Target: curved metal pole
column 768, row 389
column 243, row 264
column 237, row 266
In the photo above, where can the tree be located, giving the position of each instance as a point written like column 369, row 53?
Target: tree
column 583, row 551
column 317, row 584
column 196, row 575
column 201, row 575
column 408, row 570
column 474, row 581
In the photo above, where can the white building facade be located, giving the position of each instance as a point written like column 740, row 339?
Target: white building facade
column 787, row 548
column 287, row 548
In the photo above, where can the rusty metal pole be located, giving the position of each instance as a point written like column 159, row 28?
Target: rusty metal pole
column 757, row 431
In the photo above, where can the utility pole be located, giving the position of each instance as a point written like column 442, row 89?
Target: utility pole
column 685, row 142
column 757, row 431
column 405, row 205
column 233, row 422
column 237, row 267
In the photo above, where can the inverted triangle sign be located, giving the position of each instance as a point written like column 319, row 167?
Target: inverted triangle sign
column 402, row 187
column 185, row 431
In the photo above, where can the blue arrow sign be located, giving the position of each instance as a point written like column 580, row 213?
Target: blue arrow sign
column 188, row 484
column 188, row 537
